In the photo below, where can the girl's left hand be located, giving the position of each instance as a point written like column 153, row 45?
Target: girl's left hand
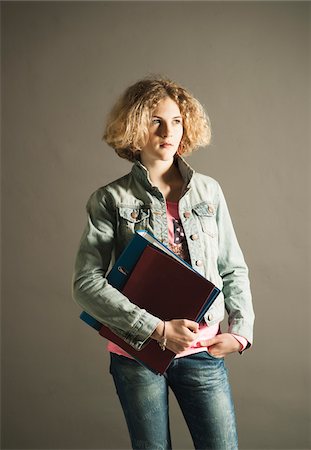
column 221, row 345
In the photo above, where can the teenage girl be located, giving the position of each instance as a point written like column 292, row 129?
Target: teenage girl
column 154, row 124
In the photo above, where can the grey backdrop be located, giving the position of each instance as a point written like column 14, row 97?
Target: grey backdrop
column 63, row 66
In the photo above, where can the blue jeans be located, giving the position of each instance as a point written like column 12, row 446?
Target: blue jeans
column 202, row 389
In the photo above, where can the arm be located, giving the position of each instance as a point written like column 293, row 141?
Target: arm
column 234, row 272
column 236, row 289
column 91, row 289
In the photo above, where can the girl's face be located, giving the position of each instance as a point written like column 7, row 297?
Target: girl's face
column 165, row 132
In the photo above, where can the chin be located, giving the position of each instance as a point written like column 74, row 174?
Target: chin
column 166, row 158
column 167, row 154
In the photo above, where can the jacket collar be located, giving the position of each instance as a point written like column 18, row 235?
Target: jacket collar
column 142, row 173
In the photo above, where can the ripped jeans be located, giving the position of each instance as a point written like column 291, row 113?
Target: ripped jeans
column 202, row 389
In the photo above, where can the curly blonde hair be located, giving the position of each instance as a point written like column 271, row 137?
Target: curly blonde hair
column 127, row 127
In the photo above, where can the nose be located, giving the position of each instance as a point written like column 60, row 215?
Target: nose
column 166, row 130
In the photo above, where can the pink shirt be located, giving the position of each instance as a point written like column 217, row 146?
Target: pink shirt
column 177, row 243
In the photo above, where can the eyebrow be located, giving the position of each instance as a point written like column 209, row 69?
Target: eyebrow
column 176, row 117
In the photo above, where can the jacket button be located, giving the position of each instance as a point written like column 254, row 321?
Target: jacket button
column 199, row 263
column 134, row 214
column 187, row 214
column 210, row 317
column 210, row 209
column 194, row 237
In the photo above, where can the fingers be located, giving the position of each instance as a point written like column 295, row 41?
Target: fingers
column 191, row 325
column 180, row 334
column 221, row 345
column 209, row 342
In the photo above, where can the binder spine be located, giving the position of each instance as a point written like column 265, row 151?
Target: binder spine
column 87, row 318
column 126, row 262
column 120, row 272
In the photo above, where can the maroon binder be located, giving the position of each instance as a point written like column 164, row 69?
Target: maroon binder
column 167, row 289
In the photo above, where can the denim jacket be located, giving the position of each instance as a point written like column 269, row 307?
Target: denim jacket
column 132, row 203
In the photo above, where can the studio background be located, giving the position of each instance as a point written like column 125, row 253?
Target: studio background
column 63, row 66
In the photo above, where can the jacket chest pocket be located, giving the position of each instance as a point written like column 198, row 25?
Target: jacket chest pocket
column 206, row 214
column 133, row 218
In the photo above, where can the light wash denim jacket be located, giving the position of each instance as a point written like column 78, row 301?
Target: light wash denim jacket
column 132, row 203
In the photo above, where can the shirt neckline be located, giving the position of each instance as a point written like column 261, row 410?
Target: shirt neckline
column 171, row 203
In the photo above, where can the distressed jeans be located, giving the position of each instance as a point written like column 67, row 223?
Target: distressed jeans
column 200, row 384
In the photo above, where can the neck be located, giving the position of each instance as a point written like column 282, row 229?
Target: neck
column 165, row 175
column 161, row 171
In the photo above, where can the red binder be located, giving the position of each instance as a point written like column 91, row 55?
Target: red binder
column 167, row 289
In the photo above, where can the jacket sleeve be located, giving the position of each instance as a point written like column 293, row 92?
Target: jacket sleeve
column 234, row 273
column 91, row 289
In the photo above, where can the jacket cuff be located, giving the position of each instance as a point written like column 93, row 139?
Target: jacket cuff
column 241, row 340
column 142, row 330
column 244, row 328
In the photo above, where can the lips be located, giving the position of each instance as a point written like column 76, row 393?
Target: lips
column 166, row 145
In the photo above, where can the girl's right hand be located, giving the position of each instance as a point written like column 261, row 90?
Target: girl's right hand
column 180, row 334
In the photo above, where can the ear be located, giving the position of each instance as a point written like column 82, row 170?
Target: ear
column 181, row 147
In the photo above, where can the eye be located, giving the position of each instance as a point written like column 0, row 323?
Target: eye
column 155, row 121
column 177, row 121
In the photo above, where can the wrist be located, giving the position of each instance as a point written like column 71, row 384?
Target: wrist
column 158, row 332
column 163, row 340
column 159, row 335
